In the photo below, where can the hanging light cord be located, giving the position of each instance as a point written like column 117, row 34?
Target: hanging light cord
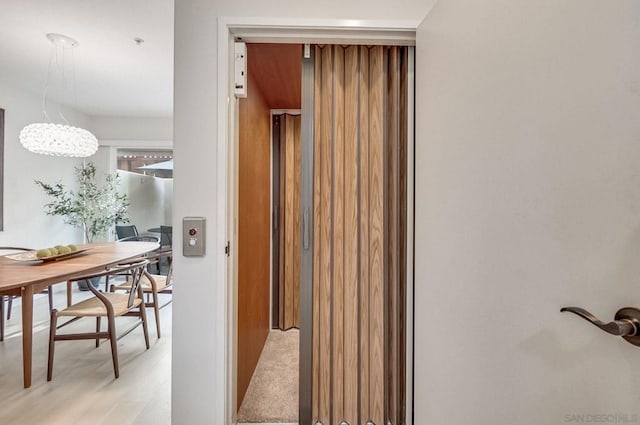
column 46, row 86
column 73, row 84
column 54, row 53
column 63, row 84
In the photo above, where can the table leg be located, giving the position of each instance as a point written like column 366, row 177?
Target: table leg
column 27, row 333
column 69, row 289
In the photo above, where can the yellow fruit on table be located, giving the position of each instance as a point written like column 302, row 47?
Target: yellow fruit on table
column 54, row 251
column 63, row 250
column 43, row 253
column 72, row 247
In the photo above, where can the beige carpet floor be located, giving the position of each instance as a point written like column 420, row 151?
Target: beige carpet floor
column 272, row 395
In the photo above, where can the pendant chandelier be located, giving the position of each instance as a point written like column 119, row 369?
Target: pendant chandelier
column 58, row 139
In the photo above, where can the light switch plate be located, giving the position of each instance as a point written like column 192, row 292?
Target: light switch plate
column 194, row 233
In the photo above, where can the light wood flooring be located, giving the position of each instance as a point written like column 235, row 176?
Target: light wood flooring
column 83, row 389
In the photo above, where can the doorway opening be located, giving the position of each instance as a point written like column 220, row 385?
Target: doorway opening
column 392, row 165
column 268, row 216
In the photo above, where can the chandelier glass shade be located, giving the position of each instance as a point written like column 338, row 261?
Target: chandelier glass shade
column 58, row 139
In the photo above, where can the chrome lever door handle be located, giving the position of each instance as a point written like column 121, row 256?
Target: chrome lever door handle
column 626, row 323
column 624, row 327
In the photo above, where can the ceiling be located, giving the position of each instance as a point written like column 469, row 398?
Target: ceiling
column 113, row 75
column 277, row 70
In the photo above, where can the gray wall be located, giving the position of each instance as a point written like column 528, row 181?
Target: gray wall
column 527, row 200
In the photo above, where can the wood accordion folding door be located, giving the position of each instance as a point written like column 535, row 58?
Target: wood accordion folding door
column 359, row 227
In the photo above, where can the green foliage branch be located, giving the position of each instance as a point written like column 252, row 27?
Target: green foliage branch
column 95, row 208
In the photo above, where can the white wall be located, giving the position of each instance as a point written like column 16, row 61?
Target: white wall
column 528, row 199
column 331, row 9
column 167, row 200
column 198, row 368
column 25, row 223
column 132, row 128
column 147, row 200
column 197, row 374
column 137, row 133
column 105, row 160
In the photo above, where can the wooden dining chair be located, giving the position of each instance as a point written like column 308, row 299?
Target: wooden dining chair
column 6, row 250
column 151, row 257
column 104, row 304
column 166, row 237
column 153, row 285
column 166, row 243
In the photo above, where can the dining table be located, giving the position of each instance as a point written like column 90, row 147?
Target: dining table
column 24, row 277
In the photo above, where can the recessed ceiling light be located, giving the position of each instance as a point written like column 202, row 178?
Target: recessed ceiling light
column 139, row 41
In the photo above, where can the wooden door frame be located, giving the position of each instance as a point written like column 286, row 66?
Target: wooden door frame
column 299, row 31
